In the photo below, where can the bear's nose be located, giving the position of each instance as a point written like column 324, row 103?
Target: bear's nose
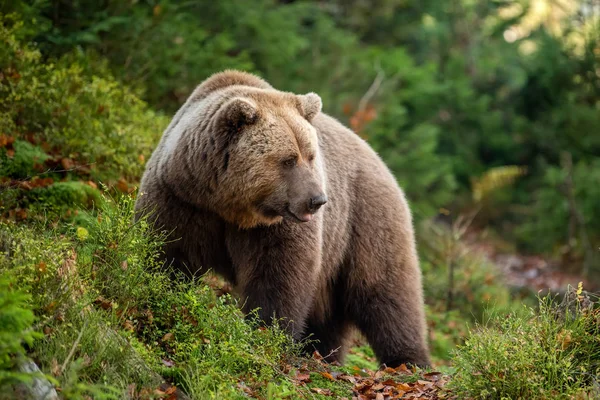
column 316, row 202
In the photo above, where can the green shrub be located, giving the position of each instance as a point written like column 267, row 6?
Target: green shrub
column 460, row 285
column 24, row 161
column 90, row 119
column 16, row 331
column 551, row 353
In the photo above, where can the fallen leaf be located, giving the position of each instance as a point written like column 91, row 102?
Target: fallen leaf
column 347, row 378
column 42, row 267
column 102, row 302
column 246, row 389
column 67, row 163
column 5, row 140
column 402, row 368
column 123, row 186
column 128, row 326
column 54, row 367
column 324, row 392
column 434, row 376
column 303, row 377
column 167, row 337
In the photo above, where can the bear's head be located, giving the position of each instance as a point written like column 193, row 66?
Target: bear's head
column 251, row 155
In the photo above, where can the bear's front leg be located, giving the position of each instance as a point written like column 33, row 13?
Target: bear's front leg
column 276, row 269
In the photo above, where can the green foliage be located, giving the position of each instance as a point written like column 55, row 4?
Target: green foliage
column 114, row 316
column 23, row 162
column 410, row 152
column 553, row 209
column 438, row 90
column 90, row 118
column 460, row 285
column 362, row 357
column 65, row 194
column 552, row 353
column 16, row 320
column 454, row 97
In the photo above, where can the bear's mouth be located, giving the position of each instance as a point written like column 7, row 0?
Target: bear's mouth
column 300, row 218
column 272, row 212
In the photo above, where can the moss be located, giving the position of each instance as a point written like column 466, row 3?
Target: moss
column 62, row 195
column 362, row 357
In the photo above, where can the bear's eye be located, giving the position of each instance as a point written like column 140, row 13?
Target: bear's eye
column 289, row 162
column 311, row 158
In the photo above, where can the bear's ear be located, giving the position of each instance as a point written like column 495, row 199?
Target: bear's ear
column 239, row 112
column 309, row 105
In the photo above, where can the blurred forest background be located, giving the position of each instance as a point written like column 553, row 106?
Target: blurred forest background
column 487, row 112
column 449, row 93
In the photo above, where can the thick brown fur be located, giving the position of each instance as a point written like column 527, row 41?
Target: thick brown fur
column 240, row 166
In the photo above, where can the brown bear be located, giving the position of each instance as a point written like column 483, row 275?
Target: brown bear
column 295, row 210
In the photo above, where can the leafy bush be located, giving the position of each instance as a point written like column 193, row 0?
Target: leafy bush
column 460, row 285
column 91, row 120
column 550, row 353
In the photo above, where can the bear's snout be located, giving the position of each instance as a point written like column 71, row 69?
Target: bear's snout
column 304, row 211
column 316, row 202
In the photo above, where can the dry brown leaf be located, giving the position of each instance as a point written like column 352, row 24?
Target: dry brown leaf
column 324, row 392
column 123, row 186
column 433, row 376
column 347, row 378
column 128, row 325
column 102, row 302
column 67, row 163
column 54, row 367
column 302, row 377
column 402, row 368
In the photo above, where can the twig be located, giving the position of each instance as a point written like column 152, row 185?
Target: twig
column 62, row 368
column 362, row 104
column 16, row 182
column 576, row 217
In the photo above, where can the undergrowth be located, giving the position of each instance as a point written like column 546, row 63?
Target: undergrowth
column 112, row 315
column 548, row 353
